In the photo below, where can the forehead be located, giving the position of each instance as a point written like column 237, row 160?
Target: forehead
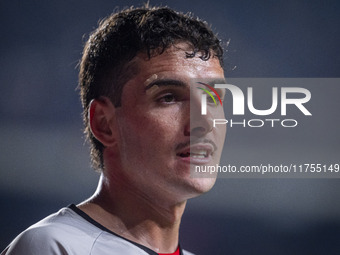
column 174, row 63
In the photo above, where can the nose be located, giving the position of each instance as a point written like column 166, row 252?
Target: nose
column 198, row 125
column 200, row 128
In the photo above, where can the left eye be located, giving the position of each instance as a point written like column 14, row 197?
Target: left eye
column 168, row 98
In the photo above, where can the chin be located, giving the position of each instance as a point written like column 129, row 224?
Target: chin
column 189, row 185
column 201, row 185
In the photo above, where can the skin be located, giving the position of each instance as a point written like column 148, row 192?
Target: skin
column 145, row 184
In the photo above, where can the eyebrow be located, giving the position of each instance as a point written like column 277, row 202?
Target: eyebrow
column 178, row 83
column 216, row 81
column 166, row 82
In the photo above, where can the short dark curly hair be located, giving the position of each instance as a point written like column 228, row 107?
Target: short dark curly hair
column 104, row 67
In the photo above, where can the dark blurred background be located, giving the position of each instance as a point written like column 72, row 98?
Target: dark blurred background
column 44, row 163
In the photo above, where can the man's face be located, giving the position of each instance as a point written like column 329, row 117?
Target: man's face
column 154, row 130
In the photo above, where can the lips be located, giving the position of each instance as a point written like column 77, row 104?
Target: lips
column 200, row 153
column 197, row 153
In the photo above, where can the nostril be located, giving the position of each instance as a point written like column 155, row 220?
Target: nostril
column 199, row 131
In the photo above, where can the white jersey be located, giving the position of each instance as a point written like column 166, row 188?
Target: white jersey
column 69, row 232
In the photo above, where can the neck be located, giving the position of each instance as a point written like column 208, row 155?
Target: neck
column 133, row 214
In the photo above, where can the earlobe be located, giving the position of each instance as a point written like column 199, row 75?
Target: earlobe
column 101, row 120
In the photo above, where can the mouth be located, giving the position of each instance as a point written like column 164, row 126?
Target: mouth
column 194, row 154
column 197, row 153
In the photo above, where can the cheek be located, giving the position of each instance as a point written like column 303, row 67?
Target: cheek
column 162, row 127
column 145, row 132
column 162, row 120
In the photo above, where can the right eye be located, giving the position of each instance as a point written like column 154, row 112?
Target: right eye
column 211, row 100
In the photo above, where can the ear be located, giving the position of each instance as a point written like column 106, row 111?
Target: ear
column 102, row 120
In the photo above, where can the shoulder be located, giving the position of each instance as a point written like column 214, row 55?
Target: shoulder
column 68, row 233
column 56, row 234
